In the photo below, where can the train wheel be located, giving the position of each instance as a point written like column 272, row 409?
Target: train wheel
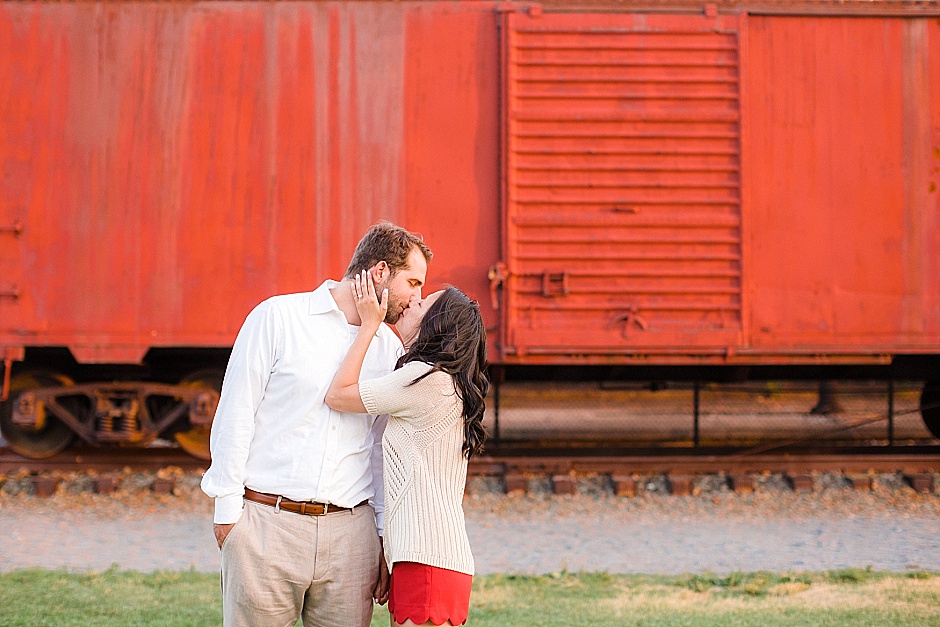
column 53, row 437
column 195, row 441
column 930, row 407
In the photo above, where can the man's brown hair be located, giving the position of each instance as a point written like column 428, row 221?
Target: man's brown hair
column 389, row 243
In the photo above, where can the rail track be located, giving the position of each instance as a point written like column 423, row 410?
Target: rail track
column 515, row 465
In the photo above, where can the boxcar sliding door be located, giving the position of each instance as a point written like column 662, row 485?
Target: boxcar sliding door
column 622, row 202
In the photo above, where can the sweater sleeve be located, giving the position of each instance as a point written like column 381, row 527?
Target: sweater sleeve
column 393, row 394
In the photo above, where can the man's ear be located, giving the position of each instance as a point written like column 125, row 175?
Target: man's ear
column 380, row 272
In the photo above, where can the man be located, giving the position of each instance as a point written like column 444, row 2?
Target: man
column 293, row 480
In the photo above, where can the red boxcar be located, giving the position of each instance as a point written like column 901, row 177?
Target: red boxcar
column 731, row 184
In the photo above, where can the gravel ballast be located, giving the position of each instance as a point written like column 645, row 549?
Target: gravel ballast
column 891, row 527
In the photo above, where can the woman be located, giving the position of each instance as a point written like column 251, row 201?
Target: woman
column 434, row 399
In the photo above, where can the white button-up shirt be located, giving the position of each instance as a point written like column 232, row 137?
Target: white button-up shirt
column 272, row 431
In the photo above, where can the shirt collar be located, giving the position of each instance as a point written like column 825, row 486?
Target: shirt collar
column 321, row 301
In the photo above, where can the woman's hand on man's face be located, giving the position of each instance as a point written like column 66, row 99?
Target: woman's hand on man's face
column 371, row 309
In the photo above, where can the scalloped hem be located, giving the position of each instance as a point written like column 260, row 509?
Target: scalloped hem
column 419, row 618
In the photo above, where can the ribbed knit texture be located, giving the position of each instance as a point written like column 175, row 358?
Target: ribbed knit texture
column 425, row 469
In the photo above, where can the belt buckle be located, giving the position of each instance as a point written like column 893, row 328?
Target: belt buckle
column 304, row 505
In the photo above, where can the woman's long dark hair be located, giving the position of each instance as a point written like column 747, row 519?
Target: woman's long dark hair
column 452, row 339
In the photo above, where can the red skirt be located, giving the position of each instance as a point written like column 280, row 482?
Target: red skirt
column 423, row 593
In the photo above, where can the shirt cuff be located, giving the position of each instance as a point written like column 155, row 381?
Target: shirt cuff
column 228, row 509
column 380, row 522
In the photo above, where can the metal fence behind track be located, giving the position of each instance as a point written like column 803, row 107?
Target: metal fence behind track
column 753, row 414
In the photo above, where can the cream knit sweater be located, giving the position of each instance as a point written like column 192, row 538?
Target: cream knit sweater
column 425, row 469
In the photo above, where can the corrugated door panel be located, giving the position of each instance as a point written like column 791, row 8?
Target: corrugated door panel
column 623, row 208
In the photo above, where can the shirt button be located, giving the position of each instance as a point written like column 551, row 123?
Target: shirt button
column 333, row 427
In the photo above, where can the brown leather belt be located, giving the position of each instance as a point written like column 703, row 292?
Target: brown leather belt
column 307, row 508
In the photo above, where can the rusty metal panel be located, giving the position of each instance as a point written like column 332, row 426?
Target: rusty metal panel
column 842, row 163
column 452, row 175
column 170, row 165
column 623, row 206
column 931, row 252
column 895, row 8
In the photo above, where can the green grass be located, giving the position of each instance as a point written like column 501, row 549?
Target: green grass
column 855, row 597
column 112, row 597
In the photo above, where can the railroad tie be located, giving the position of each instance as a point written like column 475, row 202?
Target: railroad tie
column 860, row 483
column 801, row 483
column 162, row 486
column 680, row 485
column 921, row 482
column 44, row 486
column 515, row 483
column 105, row 484
column 624, row 485
column 564, row 484
column 741, row 483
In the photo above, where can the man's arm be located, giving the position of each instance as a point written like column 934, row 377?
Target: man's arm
column 249, row 368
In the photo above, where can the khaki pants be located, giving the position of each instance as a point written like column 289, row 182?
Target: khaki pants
column 279, row 566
